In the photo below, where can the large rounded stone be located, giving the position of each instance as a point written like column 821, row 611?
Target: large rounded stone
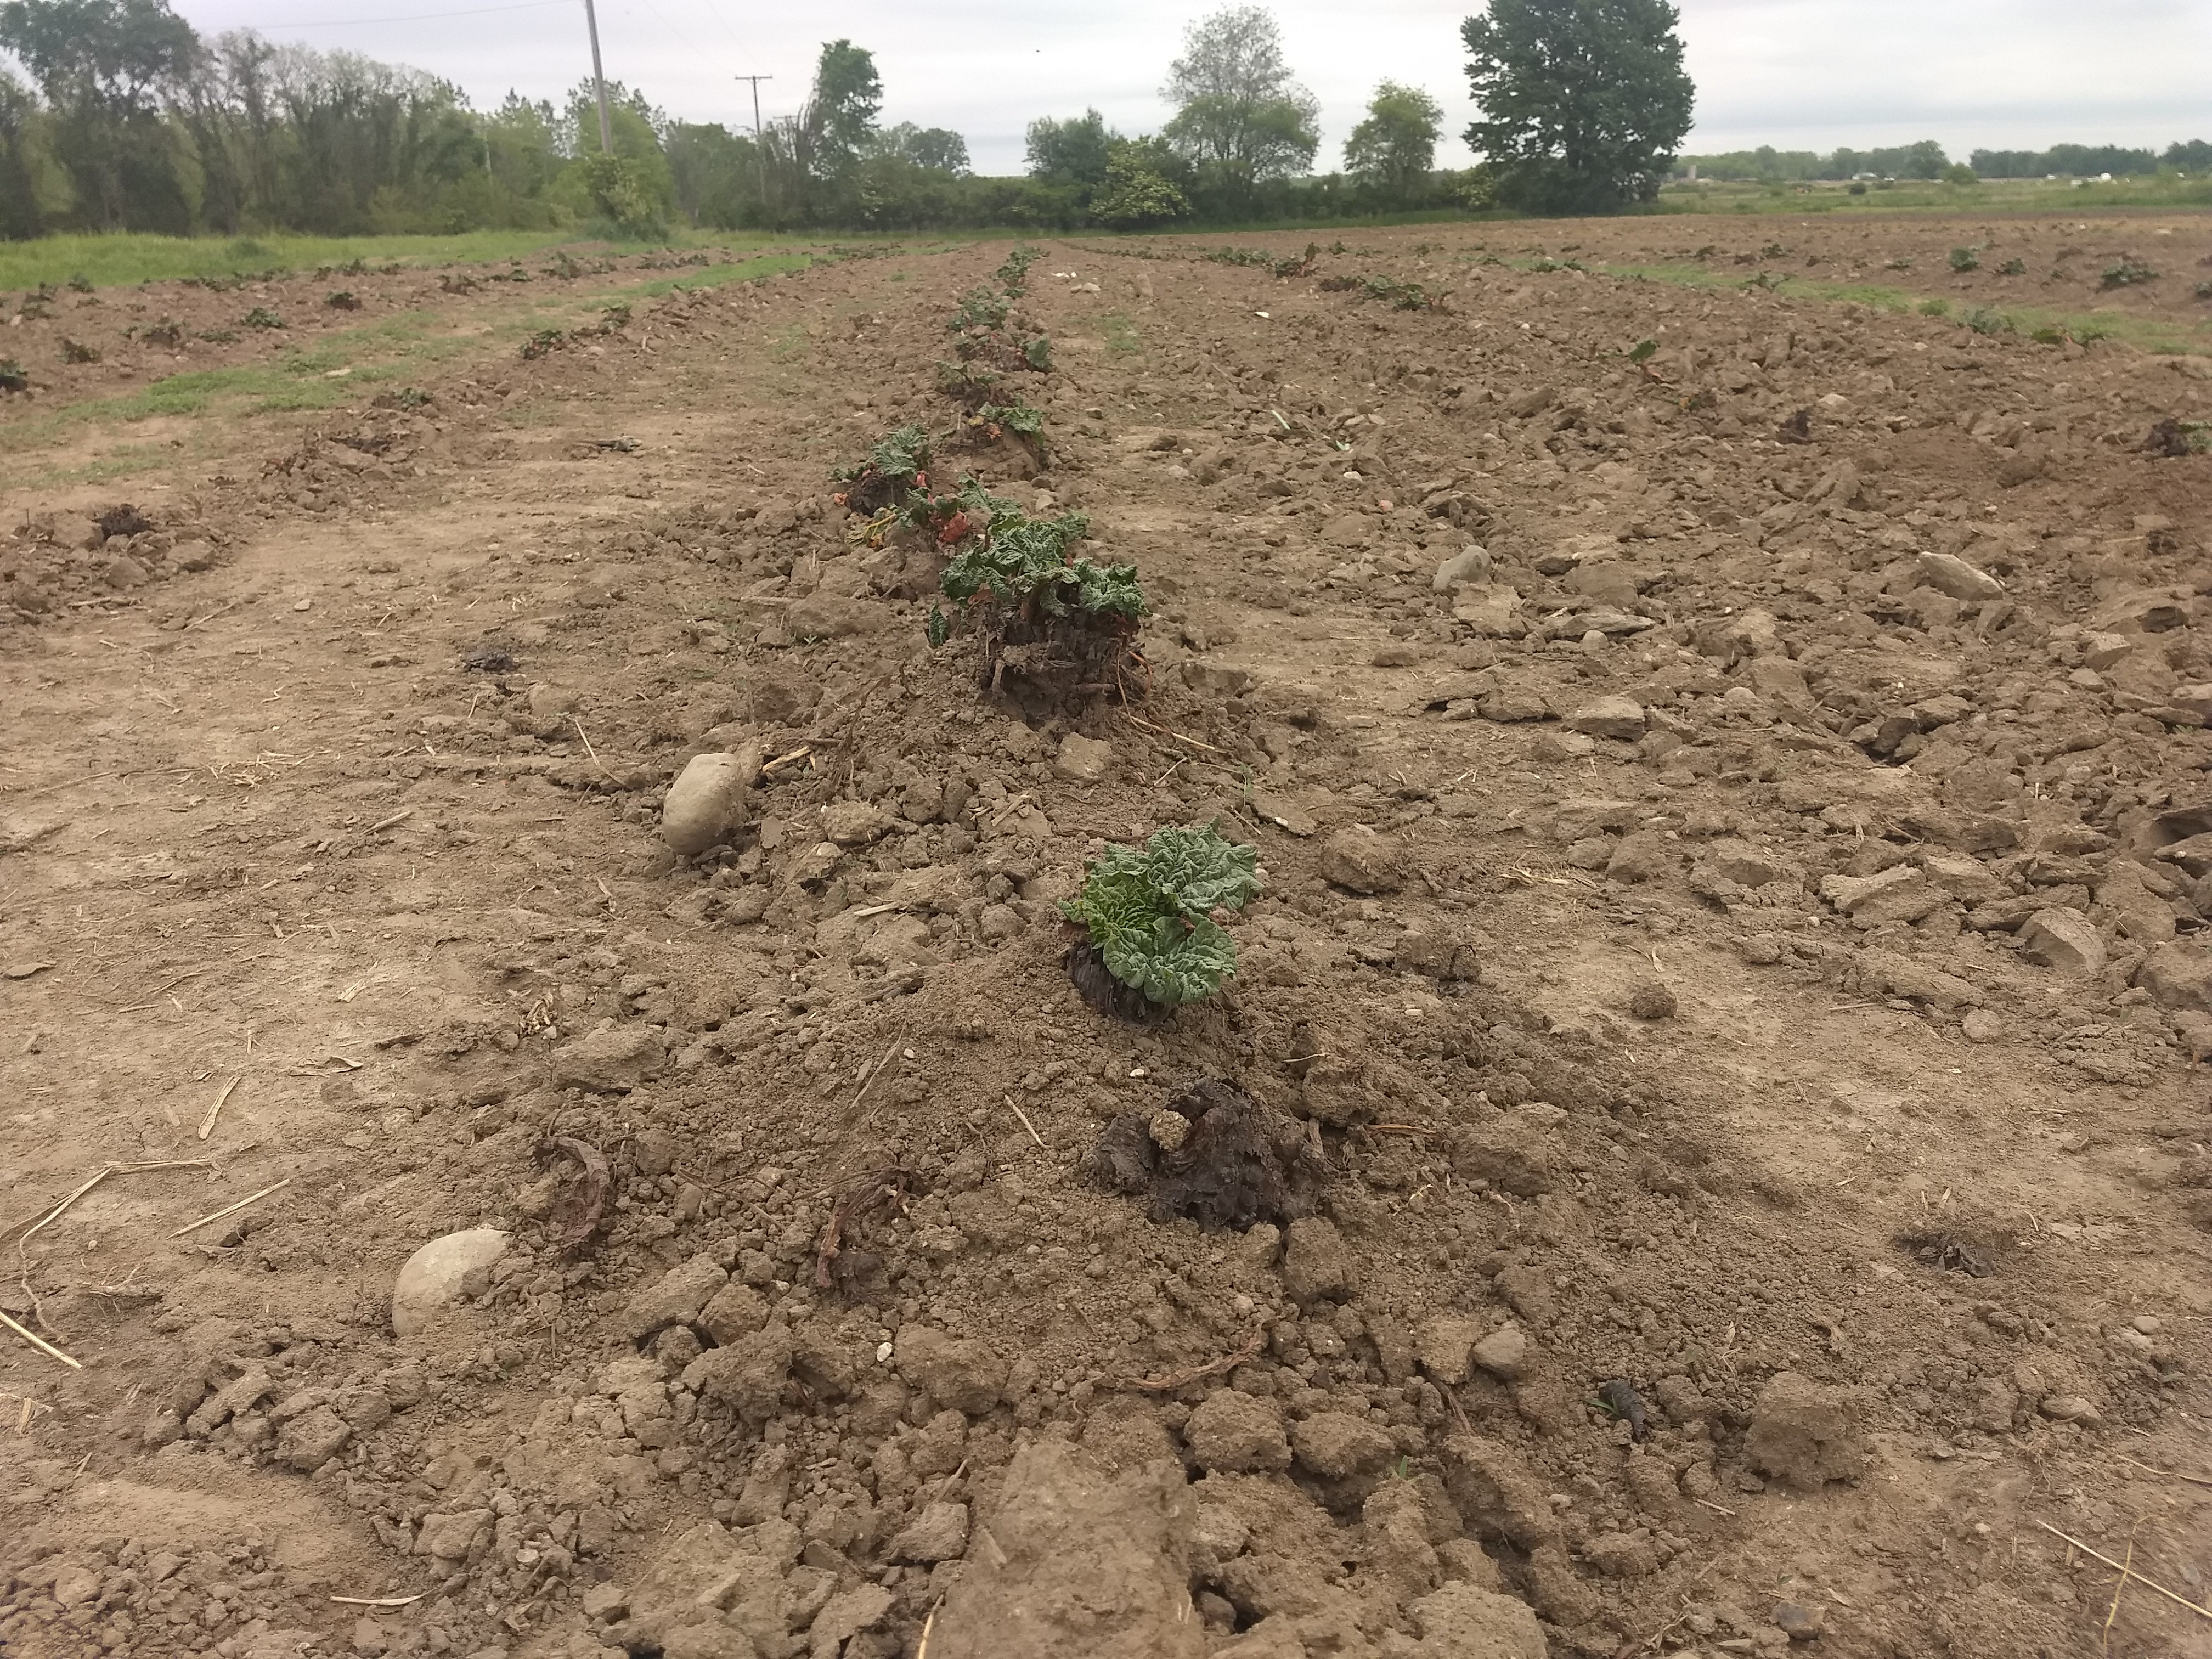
column 707, row 803
column 442, row 1272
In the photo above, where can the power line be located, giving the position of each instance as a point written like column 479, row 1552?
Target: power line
column 684, row 39
column 411, row 17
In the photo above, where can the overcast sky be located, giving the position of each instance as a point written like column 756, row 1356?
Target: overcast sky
column 1797, row 74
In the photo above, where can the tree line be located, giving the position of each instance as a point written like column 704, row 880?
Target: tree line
column 125, row 118
column 1927, row 161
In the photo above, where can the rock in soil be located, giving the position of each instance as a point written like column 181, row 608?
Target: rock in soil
column 1504, row 1353
column 1317, row 1265
column 611, row 1061
column 2063, row 939
column 710, row 1591
column 1445, row 1346
column 706, row 804
column 1361, row 860
column 442, row 1272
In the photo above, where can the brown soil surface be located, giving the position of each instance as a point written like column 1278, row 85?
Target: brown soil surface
column 1733, row 965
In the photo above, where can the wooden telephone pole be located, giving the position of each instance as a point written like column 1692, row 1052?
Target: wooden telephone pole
column 760, row 152
column 598, row 80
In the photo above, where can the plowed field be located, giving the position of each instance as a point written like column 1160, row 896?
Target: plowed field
column 1728, row 760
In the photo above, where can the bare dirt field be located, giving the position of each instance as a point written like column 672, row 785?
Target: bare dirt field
column 1728, row 769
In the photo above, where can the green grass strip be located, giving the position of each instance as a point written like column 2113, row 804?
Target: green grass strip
column 388, row 348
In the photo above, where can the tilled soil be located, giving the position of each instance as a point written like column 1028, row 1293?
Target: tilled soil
column 1721, row 1040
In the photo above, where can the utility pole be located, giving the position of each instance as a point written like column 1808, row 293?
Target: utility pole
column 598, row 80
column 760, row 152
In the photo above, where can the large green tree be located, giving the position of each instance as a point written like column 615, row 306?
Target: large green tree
column 103, row 65
column 848, row 95
column 1583, row 101
column 1392, row 149
column 1238, row 114
column 1071, row 152
column 936, row 149
column 20, row 214
column 1139, row 190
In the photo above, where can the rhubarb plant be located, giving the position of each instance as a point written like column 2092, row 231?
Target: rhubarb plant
column 1017, row 418
column 897, row 465
column 1025, row 565
column 1041, row 612
column 1152, row 913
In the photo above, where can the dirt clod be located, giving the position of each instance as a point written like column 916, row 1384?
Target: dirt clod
column 1069, row 1561
column 1095, row 983
column 122, row 519
column 1234, row 1163
column 1804, row 1435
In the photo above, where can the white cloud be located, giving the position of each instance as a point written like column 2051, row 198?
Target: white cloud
column 1804, row 74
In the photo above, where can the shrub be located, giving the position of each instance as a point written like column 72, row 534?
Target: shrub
column 1983, row 320
column 76, row 351
column 1150, row 915
column 261, row 317
column 2013, row 267
column 623, row 192
column 1136, row 196
column 1965, row 259
column 2129, row 272
column 343, row 299
column 1934, row 307
column 1857, row 188
column 12, row 378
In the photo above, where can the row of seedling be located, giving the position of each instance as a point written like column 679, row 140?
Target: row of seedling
column 1018, row 591
column 1035, row 607
column 1401, row 296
